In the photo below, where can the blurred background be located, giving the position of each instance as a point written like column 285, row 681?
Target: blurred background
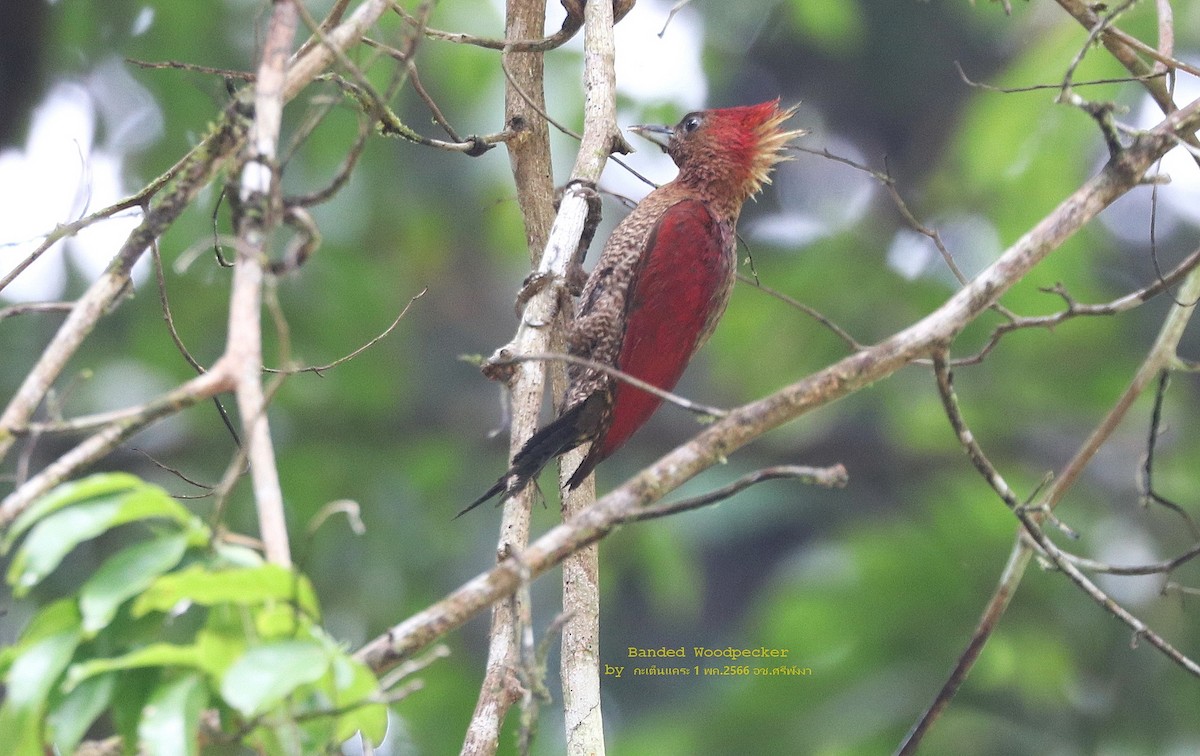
column 876, row 587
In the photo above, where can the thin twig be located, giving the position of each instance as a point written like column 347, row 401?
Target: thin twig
column 391, row 125
column 414, row 78
column 138, row 200
column 350, row 509
column 1160, row 568
column 886, row 180
column 571, row 25
column 331, row 20
column 415, row 665
column 827, row 477
column 1164, row 59
column 649, row 388
column 834, row 328
column 178, row 65
column 173, row 471
column 320, row 369
column 169, row 319
column 1147, row 477
column 1056, row 86
column 340, row 178
column 537, row 106
column 678, row 6
column 1094, row 31
column 1006, row 588
column 1126, row 50
column 321, row 33
column 1077, row 309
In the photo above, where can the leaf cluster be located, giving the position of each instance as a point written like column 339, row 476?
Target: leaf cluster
column 176, row 633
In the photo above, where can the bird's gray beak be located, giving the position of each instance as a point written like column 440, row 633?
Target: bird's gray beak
column 660, row 135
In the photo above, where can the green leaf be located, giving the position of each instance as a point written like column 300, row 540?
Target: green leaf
column 223, row 638
column 125, row 575
column 154, row 655
column 51, row 619
column 241, row 586
column 371, row 719
column 104, row 485
column 235, row 555
column 133, row 690
column 356, row 684
column 171, row 719
column 70, row 719
column 53, row 537
column 33, row 674
column 278, row 622
column 267, row 674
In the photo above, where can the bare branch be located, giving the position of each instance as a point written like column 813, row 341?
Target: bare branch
column 1161, row 355
column 529, row 158
column 580, row 663
column 174, row 191
column 1032, row 527
column 1010, row 578
column 115, row 430
column 25, row 308
column 261, row 214
column 188, row 177
column 1125, row 49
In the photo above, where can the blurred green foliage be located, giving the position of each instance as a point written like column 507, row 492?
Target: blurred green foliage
column 170, row 626
column 875, row 588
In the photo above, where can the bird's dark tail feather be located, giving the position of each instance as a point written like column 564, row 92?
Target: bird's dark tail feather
column 564, row 433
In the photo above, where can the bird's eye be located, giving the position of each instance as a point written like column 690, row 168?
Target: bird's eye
column 690, row 123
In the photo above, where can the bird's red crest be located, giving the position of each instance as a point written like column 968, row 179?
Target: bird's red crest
column 753, row 136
